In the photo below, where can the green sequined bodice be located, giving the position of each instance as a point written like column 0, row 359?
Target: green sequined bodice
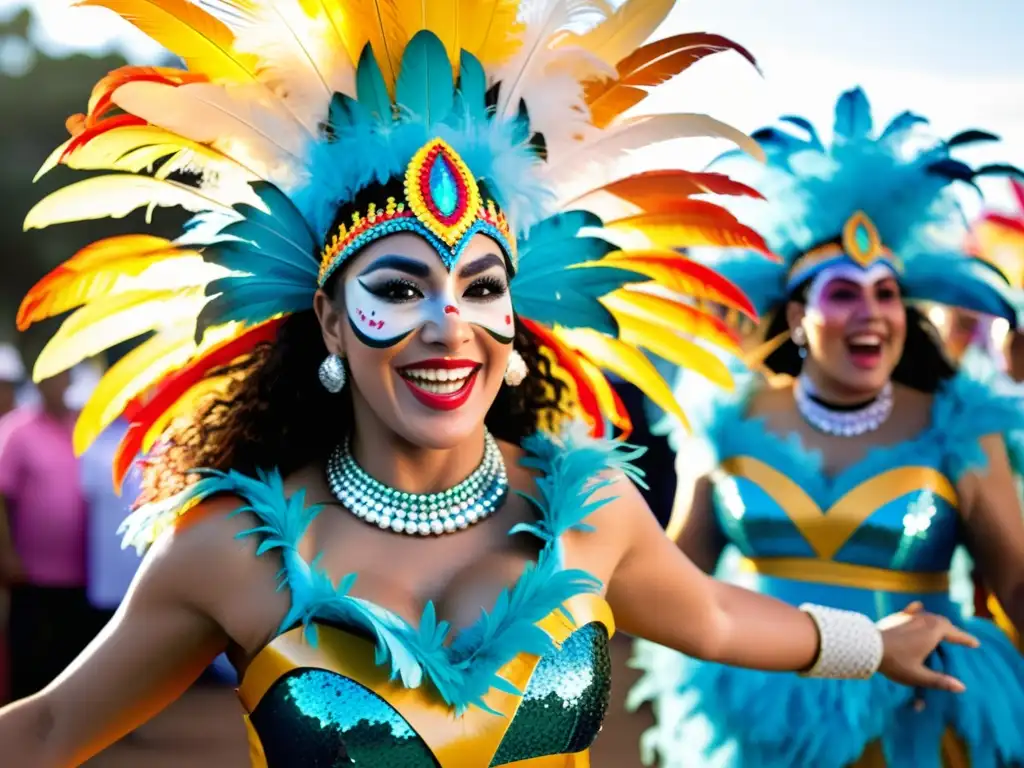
column 314, row 718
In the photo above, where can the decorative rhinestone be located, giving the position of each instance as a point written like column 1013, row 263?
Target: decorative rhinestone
column 472, row 515
column 424, row 529
column 460, row 521
column 449, row 525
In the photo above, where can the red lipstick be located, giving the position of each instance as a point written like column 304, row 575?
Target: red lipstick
column 437, row 401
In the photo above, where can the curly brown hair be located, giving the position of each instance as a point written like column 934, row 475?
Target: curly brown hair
column 275, row 413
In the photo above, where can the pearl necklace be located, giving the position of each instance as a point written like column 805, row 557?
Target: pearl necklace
column 842, row 423
column 419, row 514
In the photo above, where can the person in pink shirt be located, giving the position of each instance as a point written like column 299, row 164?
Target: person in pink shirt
column 43, row 521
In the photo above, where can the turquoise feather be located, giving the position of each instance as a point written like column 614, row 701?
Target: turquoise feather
column 250, row 299
column 425, row 89
column 371, row 90
column 472, row 88
column 853, row 116
column 573, row 466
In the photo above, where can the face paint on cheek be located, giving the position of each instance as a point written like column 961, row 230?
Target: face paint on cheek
column 379, row 323
column 494, row 316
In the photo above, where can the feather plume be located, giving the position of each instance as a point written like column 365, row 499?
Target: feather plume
column 92, row 273
column 100, row 325
column 622, row 32
column 691, row 223
column 262, row 139
column 205, row 43
column 624, row 361
column 609, row 402
column 101, row 101
column 650, row 66
column 116, row 196
column 544, row 20
column 677, row 273
column 303, row 58
column 377, row 22
column 638, row 302
column 490, row 30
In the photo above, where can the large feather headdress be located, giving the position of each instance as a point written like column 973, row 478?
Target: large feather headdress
column 290, row 111
column 866, row 198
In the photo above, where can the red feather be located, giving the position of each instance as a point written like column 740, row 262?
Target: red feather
column 144, row 411
column 648, row 189
column 678, row 273
column 1018, row 192
column 688, row 223
column 92, row 130
column 567, row 359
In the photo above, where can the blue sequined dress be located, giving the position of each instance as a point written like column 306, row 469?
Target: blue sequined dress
column 872, row 538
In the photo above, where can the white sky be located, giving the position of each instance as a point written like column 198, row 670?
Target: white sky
column 954, row 61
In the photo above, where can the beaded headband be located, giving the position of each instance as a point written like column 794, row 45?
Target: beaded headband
column 860, row 244
column 440, row 201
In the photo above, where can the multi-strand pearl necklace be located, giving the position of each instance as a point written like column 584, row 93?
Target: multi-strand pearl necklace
column 419, row 514
column 842, row 423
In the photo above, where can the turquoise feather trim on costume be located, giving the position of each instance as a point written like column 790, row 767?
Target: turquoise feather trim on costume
column 574, row 467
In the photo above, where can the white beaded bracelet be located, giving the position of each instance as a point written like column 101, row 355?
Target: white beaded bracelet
column 850, row 645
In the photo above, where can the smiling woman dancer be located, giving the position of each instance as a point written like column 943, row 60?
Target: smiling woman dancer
column 376, row 206
column 851, row 481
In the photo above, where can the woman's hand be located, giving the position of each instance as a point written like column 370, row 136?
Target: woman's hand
column 909, row 638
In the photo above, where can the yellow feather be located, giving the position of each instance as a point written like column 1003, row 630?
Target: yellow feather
column 102, row 324
column 116, row 196
column 132, row 374
column 376, row 22
column 624, row 361
column 204, row 42
column 137, row 371
column 52, row 161
column 625, row 31
column 674, row 348
column 184, row 407
column 488, row 29
column 670, row 314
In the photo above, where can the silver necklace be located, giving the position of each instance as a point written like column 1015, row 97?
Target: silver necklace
column 419, row 514
column 842, row 423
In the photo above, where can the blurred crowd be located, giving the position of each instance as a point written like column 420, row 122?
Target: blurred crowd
column 63, row 572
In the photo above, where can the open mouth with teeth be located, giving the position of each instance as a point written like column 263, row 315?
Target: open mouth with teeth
column 443, row 384
column 865, row 349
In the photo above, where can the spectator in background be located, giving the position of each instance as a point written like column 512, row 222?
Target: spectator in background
column 43, row 540
column 12, row 373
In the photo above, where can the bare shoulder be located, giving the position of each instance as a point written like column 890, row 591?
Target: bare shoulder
column 207, row 561
column 773, row 395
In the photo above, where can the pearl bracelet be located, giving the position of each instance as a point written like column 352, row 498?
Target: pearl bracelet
column 849, row 644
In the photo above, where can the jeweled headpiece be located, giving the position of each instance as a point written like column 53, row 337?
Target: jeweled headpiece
column 865, row 199
column 440, row 200
column 300, row 132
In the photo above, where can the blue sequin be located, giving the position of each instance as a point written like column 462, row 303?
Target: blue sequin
column 862, row 238
column 443, row 189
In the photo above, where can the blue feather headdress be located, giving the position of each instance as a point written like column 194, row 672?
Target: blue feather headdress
column 299, row 132
column 868, row 198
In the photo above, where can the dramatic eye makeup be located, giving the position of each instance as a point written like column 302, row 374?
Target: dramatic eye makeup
column 395, row 295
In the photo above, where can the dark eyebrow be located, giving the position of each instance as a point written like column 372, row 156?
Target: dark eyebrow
column 482, row 264
column 399, row 264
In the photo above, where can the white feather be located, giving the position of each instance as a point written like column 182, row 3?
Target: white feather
column 546, row 21
column 240, row 122
column 303, row 59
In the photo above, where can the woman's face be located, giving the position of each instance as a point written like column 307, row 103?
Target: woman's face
column 426, row 348
column 856, row 325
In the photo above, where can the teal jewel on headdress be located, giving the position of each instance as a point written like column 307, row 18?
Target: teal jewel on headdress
column 859, row 243
column 442, row 203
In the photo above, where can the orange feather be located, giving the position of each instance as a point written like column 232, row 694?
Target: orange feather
column 648, row 189
column 92, row 130
column 677, row 273
column 147, row 409
column 652, row 65
column 91, row 273
column 691, row 223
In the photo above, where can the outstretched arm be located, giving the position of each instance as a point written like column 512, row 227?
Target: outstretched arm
column 995, row 528
column 158, row 643
column 658, row 594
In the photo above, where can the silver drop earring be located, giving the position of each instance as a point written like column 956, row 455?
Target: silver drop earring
column 799, row 337
column 515, row 370
column 332, row 374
